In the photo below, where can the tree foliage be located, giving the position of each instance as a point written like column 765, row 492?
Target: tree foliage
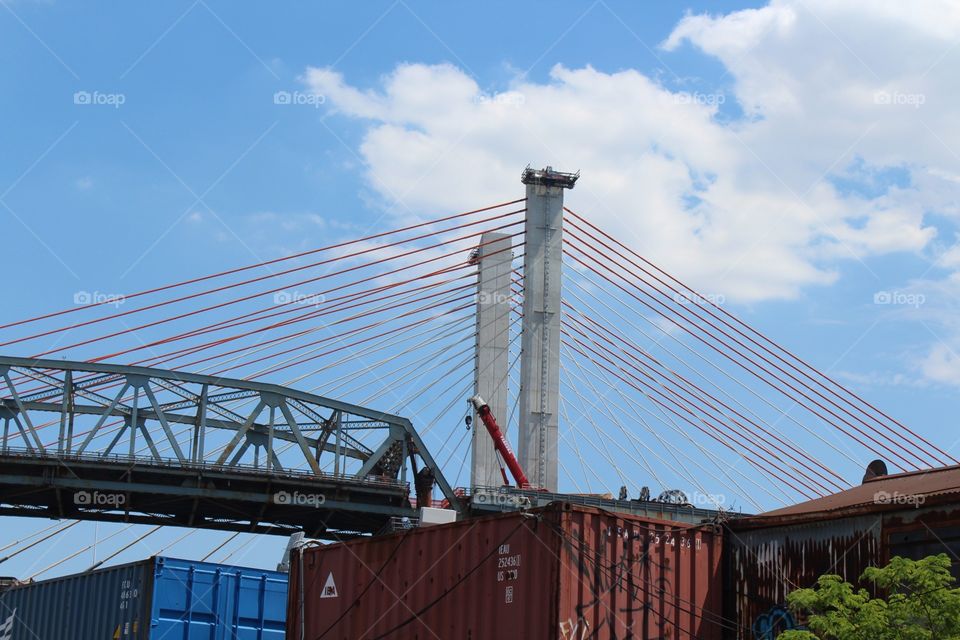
column 919, row 602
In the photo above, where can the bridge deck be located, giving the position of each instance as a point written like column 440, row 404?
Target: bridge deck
column 202, row 495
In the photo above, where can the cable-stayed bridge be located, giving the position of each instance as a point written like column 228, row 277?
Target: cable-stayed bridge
column 311, row 391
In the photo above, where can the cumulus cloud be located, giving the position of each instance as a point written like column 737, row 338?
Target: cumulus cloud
column 937, row 314
column 834, row 96
column 942, row 364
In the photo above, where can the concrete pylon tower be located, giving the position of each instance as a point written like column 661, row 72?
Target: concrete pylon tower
column 494, row 259
column 540, row 337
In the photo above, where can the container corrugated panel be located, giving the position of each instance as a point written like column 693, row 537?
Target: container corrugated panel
column 158, row 598
column 767, row 557
column 112, row 603
column 763, row 565
column 628, row 577
column 558, row 572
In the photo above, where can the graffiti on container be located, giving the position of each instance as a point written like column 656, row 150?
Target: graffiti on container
column 601, row 578
column 571, row 629
column 773, row 622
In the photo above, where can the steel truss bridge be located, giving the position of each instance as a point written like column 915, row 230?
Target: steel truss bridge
column 143, row 445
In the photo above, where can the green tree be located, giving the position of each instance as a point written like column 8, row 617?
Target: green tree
column 919, row 603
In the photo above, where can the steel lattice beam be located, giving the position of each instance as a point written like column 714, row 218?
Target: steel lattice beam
column 133, row 417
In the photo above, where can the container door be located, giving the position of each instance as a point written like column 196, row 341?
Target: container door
column 202, row 601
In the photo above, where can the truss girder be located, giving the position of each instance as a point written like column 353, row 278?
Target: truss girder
column 191, row 420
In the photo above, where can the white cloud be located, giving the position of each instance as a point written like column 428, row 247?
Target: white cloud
column 942, row 364
column 743, row 207
column 940, row 361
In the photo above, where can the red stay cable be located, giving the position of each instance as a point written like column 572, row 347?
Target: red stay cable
column 715, row 415
column 320, row 341
column 332, row 290
column 712, row 306
column 405, row 327
column 266, row 263
column 698, row 318
column 352, row 298
column 661, row 370
column 740, row 364
column 251, row 281
column 697, row 426
column 260, row 293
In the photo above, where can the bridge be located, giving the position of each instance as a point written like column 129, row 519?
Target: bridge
column 241, row 400
column 95, row 469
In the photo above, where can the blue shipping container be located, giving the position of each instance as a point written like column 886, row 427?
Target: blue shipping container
column 155, row 599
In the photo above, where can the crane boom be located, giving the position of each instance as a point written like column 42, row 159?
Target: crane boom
column 499, row 440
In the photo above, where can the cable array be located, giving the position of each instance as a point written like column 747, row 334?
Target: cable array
column 659, row 385
column 386, row 320
column 669, row 354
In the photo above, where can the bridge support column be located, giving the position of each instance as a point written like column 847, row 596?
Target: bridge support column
column 540, row 337
column 494, row 259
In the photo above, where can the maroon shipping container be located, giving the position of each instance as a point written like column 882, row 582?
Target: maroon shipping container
column 560, row 572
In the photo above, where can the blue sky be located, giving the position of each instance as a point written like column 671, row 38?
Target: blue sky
column 798, row 160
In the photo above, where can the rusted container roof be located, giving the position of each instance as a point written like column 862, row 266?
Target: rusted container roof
column 875, row 495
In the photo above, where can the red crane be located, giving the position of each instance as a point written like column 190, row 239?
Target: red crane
column 500, row 442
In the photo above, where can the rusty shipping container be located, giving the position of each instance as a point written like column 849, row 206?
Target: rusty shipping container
column 560, row 571
column 767, row 556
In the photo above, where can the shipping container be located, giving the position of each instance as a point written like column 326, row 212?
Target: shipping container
column 155, row 599
column 767, row 556
column 560, row 572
